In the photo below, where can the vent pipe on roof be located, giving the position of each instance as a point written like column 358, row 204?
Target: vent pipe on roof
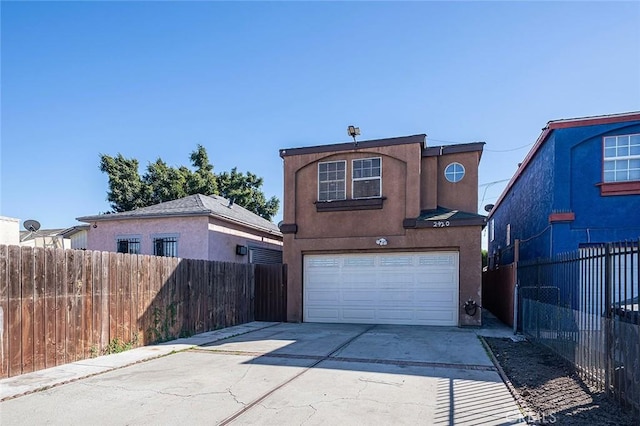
column 230, row 203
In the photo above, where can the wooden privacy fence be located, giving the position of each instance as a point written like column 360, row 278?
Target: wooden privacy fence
column 59, row 306
column 271, row 293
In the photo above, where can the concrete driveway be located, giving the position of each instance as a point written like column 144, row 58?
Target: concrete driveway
column 285, row 374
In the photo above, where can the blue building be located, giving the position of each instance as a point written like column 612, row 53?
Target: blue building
column 579, row 184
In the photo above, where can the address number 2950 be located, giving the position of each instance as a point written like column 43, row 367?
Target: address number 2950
column 441, row 223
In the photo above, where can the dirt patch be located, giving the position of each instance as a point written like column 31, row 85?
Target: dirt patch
column 551, row 390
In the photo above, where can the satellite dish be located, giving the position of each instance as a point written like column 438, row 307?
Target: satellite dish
column 31, row 225
column 488, row 208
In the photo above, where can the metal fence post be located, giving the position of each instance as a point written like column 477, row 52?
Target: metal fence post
column 608, row 337
column 537, row 302
column 516, row 298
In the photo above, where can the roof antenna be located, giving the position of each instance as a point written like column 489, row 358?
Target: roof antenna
column 353, row 132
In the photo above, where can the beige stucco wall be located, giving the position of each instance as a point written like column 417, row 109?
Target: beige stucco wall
column 9, row 230
column 409, row 183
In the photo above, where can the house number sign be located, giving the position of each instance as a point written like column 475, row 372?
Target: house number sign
column 441, row 223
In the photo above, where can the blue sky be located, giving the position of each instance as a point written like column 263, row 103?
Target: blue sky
column 245, row 79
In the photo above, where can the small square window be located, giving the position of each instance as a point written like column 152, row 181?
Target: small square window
column 165, row 246
column 129, row 245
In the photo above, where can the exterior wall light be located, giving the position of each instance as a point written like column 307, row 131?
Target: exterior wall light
column 241, row 250
column 381, row 241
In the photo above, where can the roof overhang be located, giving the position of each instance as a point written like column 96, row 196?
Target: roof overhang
column 351, row 146
column 119, row 216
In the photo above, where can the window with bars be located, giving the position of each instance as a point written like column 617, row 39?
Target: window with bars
column 621, row 158
column 331, row 180
column 367, row 178
column 165, row 246
column 130, row 245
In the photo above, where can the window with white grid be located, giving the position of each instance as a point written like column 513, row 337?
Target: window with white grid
column 331, row 180
column 367, row 178
column 621, row 158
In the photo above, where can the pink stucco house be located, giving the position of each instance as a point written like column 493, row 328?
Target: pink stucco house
column 193, row 227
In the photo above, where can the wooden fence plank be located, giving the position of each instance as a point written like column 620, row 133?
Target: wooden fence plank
column 49, row 307
column 79, row 283
column 113, row 296
column 126, row 298
column 105, row 314
column 211, row 280
column 135, row 294
column 144, row 300
column 96, row 321
column 4, row 311
column 61, row 306
column 39, row 322
column 87, row 298
column 15, row 312
column 70, row 284
column 27, row 308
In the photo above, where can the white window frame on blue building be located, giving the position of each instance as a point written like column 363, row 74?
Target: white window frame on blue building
column 621, row 158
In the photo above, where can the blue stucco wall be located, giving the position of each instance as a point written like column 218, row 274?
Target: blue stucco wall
column 564, row 177
column 524, row 208
column 598, row 219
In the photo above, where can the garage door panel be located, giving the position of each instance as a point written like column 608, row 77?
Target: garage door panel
column 322, row 315
column 396, row 261
column 446, row 297
column 359, row 262
column 395, row 277
column 360, row 315
column 398, row 296
column 385, row 288
column 353, row 296
column 432, row 278
column 323, row 296
column 434, row 315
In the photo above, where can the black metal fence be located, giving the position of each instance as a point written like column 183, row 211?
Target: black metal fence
column 584, row 306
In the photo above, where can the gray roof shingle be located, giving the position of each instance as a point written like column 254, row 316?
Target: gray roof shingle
column 194, row 205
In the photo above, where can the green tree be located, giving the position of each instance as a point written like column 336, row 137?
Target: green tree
column 203, row 181
column 165, row 183
column 126, row 191
column 161, row 182
column 245, row 190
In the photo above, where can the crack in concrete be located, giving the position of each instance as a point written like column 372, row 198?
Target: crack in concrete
column 381, row 382
column 310, row 415
column 154, row 391
column 235, row 398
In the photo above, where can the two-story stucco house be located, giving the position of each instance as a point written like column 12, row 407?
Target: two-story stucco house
column 193, row 227
column 579, row 185
column 383, row 232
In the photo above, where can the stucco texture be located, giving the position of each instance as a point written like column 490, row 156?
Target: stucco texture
column 199, row 237
column 410, row 183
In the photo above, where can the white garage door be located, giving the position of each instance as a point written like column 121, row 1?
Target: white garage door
column 394, row 288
